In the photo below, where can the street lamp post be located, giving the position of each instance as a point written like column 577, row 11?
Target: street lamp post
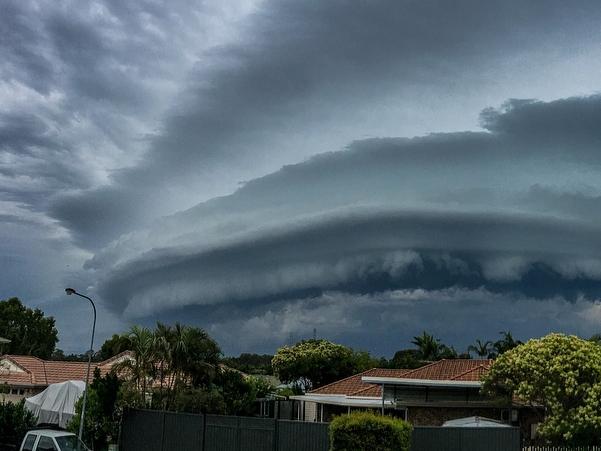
column 71, row 291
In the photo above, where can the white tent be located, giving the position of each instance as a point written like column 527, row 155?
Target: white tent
column 56, row 404
column 474, row 422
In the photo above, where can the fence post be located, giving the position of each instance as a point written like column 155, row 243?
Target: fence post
column 238, row 435
column 276, row 435
column 163, row 432
column 204, row 431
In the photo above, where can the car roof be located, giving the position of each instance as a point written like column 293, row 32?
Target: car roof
column 50, row 433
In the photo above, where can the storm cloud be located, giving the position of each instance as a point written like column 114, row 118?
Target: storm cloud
column 304, row 162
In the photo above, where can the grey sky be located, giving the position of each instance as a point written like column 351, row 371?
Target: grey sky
column 263, row 162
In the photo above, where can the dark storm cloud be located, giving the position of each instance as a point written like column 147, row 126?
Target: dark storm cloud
column 121, row 123
column 305, row 75
column 441, row 211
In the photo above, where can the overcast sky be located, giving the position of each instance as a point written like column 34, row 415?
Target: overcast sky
column 262, row 168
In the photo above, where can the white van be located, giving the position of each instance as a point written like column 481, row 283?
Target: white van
column 50, row 440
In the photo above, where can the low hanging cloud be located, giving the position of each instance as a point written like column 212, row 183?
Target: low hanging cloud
column 236, row 163
column 383, row 214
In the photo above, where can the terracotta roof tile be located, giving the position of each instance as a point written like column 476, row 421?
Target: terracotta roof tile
column 354, row 385
column 39, row 372
column 455, row 369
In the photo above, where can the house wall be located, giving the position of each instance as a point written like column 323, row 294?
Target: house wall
column 310, row 411
column 16, row 394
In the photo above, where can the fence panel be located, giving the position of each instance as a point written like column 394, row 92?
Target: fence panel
column 257, row 434
column 561, row 448
column 182, row 432
column 299, row 436
column 222, row 433
column 465, row 439
column 142, row 430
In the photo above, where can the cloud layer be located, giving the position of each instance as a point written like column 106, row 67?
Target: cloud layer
column 293, row 162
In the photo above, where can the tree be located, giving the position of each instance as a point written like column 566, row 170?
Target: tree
column 431, row 349
column 139, row 370
column 251, row 363
column 506, row 343
column 30, row 332
column 406, row 359
column 557, row 374
column 101, row 424
column 313, row 363
column 113, row 346
column 481, row 349
column 15, row 420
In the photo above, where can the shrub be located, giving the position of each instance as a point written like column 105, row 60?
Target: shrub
column 15, row 419
column 365, row 431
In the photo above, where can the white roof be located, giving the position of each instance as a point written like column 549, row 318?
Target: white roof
column 342, row 400
column 420, row 382
column 474, row 422
column 56, row 404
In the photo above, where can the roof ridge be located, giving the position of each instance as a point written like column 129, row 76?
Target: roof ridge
column 342, row 380
column 425, row 366
column 113, row 358
column 369, row 387
column 468, row 371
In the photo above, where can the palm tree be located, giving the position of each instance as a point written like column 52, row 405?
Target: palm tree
column 140, row 369
column 429, row 347
column 481, row 349
column 506, row 343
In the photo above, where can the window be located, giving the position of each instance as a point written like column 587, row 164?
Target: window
column 46, row 444
column 29, row 441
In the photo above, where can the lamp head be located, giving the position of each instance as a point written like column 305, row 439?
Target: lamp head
column 70, row 291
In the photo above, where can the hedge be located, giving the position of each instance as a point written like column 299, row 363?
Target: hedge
column 365, row 431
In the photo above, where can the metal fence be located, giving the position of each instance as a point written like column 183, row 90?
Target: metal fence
column 143, row 430
column 465, row 439
column 561, row 448
column 147, row 430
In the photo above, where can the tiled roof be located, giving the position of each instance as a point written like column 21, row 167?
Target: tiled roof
column 449, row 370
column 354, row 386
column 39, row 372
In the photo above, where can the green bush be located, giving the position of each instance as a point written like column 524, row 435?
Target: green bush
column 365, row 431
column 15, row 419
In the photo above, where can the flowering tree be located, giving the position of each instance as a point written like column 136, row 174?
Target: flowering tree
column 313, row 363
column 561, row 374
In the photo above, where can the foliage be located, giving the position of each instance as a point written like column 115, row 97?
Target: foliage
column 481, row 348
column 363, row 361
column 405, row 358
column 239, row 393
column 251, row 363
column 165, row 361
column 30, row 332
column 430, row 348
column 366, row 431
column 313, row 363
column 506, row 343
column 101, row 423
column 15, row 419
column 113, row 346
column 562, row 375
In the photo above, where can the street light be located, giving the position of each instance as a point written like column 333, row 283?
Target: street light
column 71, row 291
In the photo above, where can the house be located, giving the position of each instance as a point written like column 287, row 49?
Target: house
column 449, row 390
column 427, row 396
column 344, row 396
column 24, row 376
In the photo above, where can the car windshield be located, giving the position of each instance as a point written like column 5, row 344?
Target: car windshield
column 70, row 443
